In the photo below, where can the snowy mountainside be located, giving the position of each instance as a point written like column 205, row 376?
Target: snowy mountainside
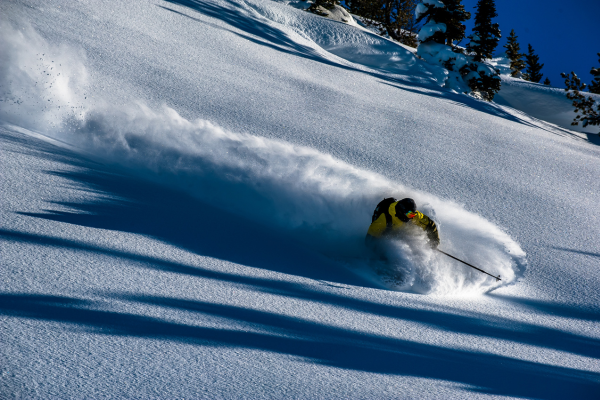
column 295, row 188
column 546, row 103
column 195, row 178
column 542, row 102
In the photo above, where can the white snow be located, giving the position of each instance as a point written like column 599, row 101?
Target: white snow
column 429, row 29
column 186, row 186
column 502, row 64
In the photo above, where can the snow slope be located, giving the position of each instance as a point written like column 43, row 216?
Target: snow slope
column 187, row 184
column 543, row 102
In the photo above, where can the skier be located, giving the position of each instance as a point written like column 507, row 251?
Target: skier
column 391, row 215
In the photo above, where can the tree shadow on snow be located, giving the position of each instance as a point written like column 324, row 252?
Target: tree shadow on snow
column 472, row 324
column 462, row 100
column 142, row 208
column 550, row 308
column 127, row 204
column 258, row 31
column 594, row 138
column 480, row 325
column 586, row 253
column 315, row 342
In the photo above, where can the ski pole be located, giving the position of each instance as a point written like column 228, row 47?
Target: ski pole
column 472, row 266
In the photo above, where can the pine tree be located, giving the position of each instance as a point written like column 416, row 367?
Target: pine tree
column 353, row 6
column 465, row 73
column 394, row 18
column 486, row 84
column 485, row 35
column 436, row 18
column 547, row 82
column 513, row 52
column 532, row 73
column 595, row 86
column 584, row 106
column 455, row 29
column 397, row 17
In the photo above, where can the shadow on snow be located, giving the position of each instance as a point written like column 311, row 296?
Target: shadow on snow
column 130, row 205
column 178, row 219
column 472, row 324
column 316, row 342
column 127, row 204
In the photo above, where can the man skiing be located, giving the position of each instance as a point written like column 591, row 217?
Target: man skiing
column 391, row 215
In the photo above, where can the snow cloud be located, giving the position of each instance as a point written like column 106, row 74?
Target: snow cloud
column 40, row 84
column 308, row 195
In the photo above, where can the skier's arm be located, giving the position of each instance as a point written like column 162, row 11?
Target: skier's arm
column 428, row 226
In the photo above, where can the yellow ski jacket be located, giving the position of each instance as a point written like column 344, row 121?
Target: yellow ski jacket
column 388, row 222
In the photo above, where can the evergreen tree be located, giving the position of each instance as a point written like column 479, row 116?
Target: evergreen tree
column 465, row 73
column 547, row 82
column 455, row 29
column 532, row 73
column 394, row 18
column 436, row 18
column 409, row 29
column 397, row 18
column 584, row 106
column 513, row 52
column 485, row 35
column 483, row 79
column 595, row 86
column 353, row 6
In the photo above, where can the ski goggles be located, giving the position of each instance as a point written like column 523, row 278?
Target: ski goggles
column 411, row 214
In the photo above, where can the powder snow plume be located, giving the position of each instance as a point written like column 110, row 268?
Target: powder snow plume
column 39, row 83
column 310, row 196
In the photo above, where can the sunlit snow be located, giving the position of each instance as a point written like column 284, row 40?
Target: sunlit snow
column 186, row 190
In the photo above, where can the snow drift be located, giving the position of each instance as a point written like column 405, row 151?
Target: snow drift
column 307, row 195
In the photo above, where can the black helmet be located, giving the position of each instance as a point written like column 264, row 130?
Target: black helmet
column 406, row 205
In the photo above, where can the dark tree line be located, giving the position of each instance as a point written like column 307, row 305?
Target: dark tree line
column 533, row 71
column 595, row 86
column 455, row 29
column 531, row 64
column 451, row 13
column 395, row 18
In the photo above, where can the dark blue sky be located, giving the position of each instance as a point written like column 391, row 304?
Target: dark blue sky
column 565, row 34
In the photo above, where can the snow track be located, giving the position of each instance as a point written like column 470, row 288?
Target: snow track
column 321, row 201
